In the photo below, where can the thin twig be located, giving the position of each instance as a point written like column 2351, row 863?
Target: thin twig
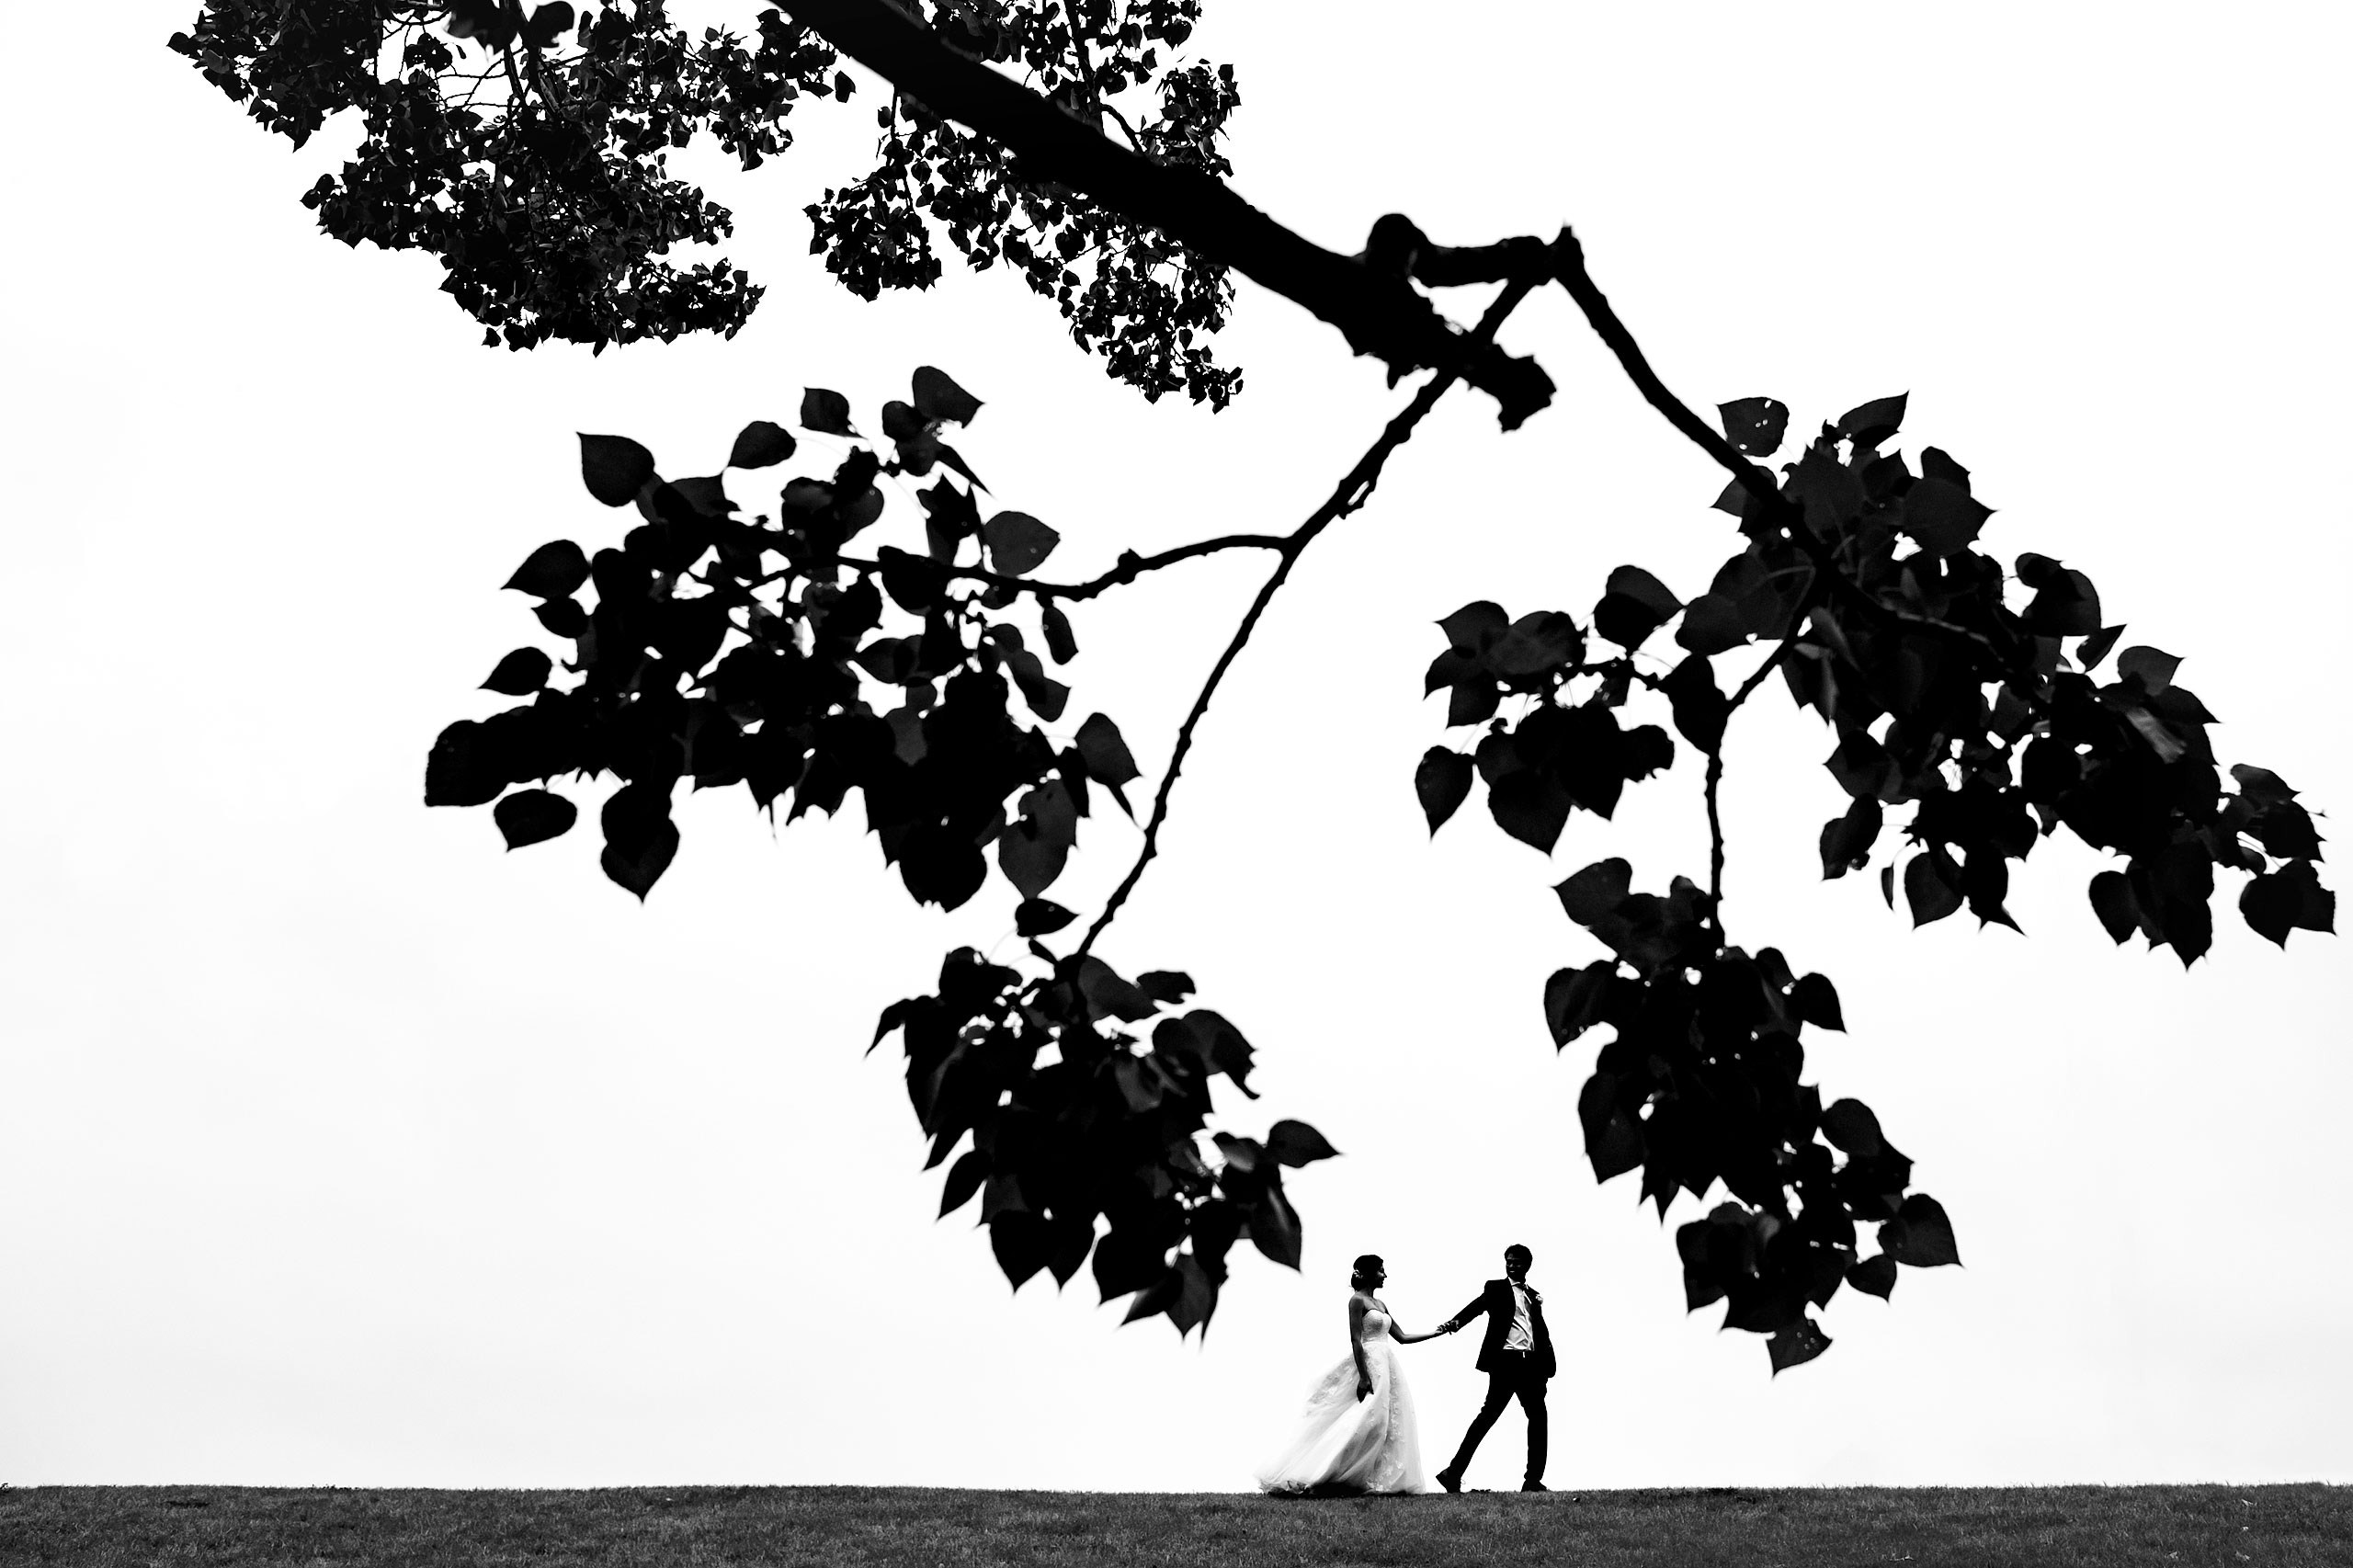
column 1352, row 494
column 1131, row 567
column 1746, row 690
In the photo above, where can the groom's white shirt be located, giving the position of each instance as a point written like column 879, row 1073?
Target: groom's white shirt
column 1520, row 1336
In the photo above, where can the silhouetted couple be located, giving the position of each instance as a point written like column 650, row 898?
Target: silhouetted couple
column 1358, row 1434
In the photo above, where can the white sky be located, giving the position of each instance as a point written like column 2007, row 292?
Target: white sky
column 339, row 1146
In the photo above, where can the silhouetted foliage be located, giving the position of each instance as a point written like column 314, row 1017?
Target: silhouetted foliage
column 527, row 148
column 1969, row 714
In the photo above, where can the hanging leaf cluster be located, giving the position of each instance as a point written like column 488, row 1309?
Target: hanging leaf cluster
column 1965, row 693
column 527, row 148
column 1083, row 1096
column 1973, row 696
column 1700, row 1083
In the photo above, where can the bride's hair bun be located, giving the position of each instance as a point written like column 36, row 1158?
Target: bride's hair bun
column 1365, row 1266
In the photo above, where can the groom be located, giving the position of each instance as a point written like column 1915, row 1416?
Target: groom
column 1516, row 1356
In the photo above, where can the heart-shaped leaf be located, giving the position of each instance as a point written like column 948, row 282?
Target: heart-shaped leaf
column 614, row 467
column 762, row 444
column 938, row 397
column 825, row 412
column 533, row 816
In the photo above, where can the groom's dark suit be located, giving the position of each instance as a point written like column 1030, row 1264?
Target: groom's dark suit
column 1520, row 1374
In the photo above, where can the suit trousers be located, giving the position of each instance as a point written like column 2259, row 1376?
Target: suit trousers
column 1513, row 1377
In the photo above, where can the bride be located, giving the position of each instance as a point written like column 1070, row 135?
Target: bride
column 1358, row 1432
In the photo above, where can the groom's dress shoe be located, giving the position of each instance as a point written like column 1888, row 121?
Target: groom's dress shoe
column 1533, row 1486
column 1451, row 1480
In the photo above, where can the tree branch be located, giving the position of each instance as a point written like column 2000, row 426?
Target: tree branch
column 1352, row 494
column 1568, row 258
column 1378, row 312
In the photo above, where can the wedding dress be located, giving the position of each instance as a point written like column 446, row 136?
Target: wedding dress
column 1347, row 1444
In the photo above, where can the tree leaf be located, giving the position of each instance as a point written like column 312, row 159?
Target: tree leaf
column 940, row 864
column 1129, row 1259
column 1295, row 1143
column 964, row 1179
column 554, row 571
column 520, row 673
column 2065, row 605
column 1531, row 806
column 2153, row 667
column 2288, row 899
column 1166, row 986
column 1441, row 781
column 1871, row 423
column 461, row 769
column 1474, row 628
column 548, row 23
column 1754, row 426
column 761, row 444
column 937, row 396
column 1109, row 993
column 1039, row 917
column 614, row 467
column 640, row 839
column 1846, row 842
column 1020, row 1240
column 1574, row 999
column 825, row 412
column 1031, row 854
column 1471, row 702
column 533, row 816
column 2260, row 783
column 1797, row 1345
column 1701, row 710
column 1922, row 1235
column 1634, row 605
column 2112, row 900
column 1197, row 1295
column 1927, row 891
column 1274, row 1227
column 1105, row 751
column 1942, row 516
column 1613, row 1141
column 1535, row 644
column 1018, row 543
column 1873, row 1276
column 1936, row 463
column 1594, row 893
column 915, row 583
column 1852, row 1130
column 1816, row 1001
column 1711, row 624
column 2093, row 649
column 1061, row 645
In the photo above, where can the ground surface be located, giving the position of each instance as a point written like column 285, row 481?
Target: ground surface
column 1985, row 1528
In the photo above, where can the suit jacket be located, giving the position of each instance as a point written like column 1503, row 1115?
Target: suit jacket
column 1495, row 1301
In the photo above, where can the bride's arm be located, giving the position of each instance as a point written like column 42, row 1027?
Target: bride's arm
column 1402, row 1337
column 1356, row 1346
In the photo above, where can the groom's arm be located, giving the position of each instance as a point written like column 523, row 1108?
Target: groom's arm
column 1478, row 1307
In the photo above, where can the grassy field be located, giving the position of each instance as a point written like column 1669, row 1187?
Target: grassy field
column 2299, row 1527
